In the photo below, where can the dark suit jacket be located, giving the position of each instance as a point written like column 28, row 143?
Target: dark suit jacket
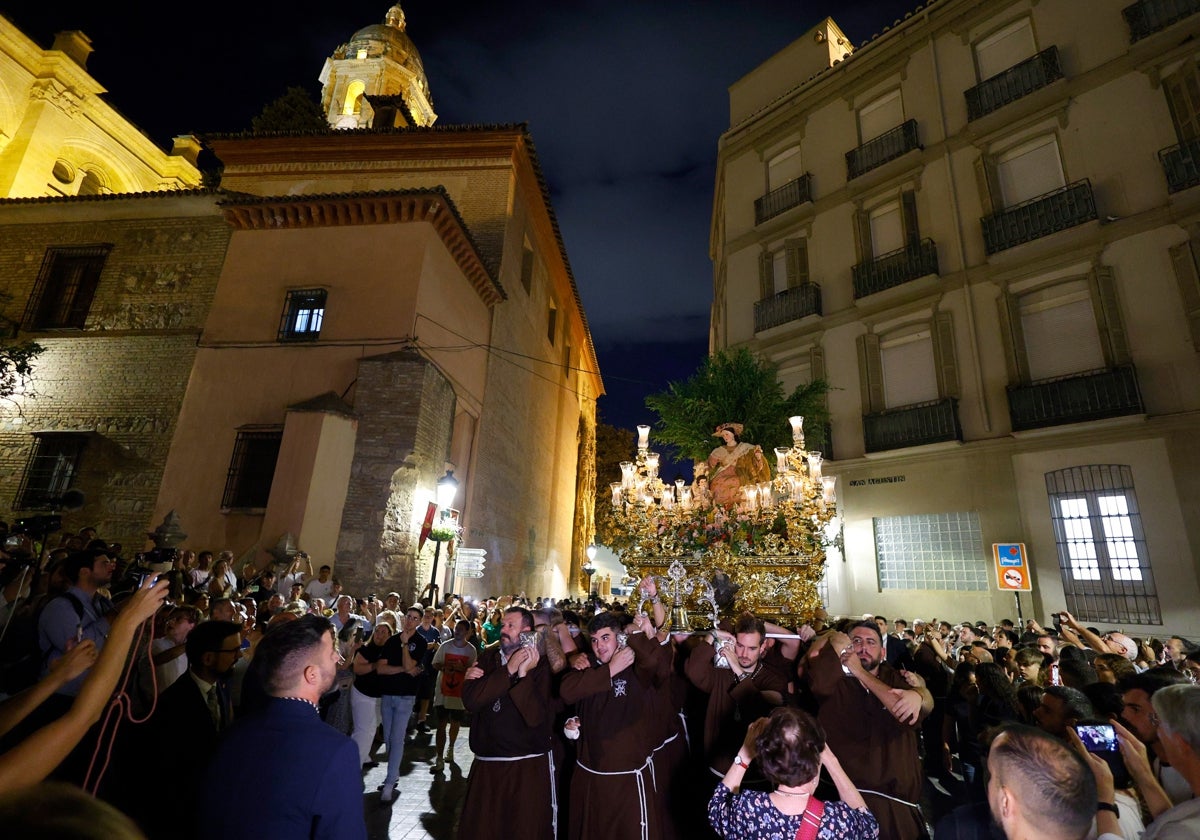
column 897, row 654
column 283, row 773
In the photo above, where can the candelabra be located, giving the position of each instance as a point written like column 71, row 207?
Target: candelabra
column 770, row 545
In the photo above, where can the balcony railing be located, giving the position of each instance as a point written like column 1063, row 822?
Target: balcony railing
column 895, row 268
column 1182, row 165
column 878, row 151
column 1063, row 208
column 789, row 305
column 1148, row 16
column 912, row 425
column 1012, row 84
column 792, row 194
column 1094, row 395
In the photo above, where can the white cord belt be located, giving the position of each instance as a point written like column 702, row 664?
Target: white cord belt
column 549, row 756
column 641, row 787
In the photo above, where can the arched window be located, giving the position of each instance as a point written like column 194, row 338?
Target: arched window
column 92, row 183
column 354, row 95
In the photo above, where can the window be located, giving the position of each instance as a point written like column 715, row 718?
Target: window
column 783, row 268
column 252, row 468
column 882, row 114
column 931, row 551
column 917, row 364
column 1183, row 257
column 1183, row 98
column 552, row 323
column 567, row 361
column 784, row 167
column 1102, row 553
column 92, row 183
column 53, row 466
column 65, row 287
column 303, row 315
column 889, row 227
column 526, row 266
column 1004, row 48
column 1060, row 332
column 1030, row 170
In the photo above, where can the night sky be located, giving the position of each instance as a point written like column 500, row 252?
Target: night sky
column 625, row 102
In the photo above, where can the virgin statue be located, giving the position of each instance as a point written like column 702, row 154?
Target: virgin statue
column 733, row 465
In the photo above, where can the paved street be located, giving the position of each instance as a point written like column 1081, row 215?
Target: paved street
column 426, row 804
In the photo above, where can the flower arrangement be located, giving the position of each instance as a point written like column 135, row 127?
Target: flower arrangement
column 443, row 533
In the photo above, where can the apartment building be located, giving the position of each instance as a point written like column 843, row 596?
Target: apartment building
column 980, row 228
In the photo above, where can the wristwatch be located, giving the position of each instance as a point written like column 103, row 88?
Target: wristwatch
column 741, row 762
column 1108, row 806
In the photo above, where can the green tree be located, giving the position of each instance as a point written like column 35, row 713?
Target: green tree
column 613, row 445
column 295, row 110
column 736, row 386
column 16, row 366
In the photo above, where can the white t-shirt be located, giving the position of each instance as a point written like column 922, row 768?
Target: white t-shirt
column 316, row 589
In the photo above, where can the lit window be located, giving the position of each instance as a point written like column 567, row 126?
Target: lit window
column 931, row 551
column 303, row 315
column 362, row 53
column 1102, row 549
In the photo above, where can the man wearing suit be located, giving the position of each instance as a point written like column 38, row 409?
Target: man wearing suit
column 187, row 720
column 282, row 772
column 897, row 654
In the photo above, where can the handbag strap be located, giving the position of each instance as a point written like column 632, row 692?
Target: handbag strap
column 810, row 820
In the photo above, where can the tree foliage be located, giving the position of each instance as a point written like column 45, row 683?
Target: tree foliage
column 16, row 366
column 613, row 445
column 295, row 110
column 736, row 386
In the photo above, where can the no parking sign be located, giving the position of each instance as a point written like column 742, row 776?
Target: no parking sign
column 1012, row 569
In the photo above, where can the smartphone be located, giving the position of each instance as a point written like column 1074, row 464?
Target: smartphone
column 1101, row 740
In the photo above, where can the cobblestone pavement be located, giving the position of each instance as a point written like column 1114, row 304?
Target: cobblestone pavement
column 426, row 804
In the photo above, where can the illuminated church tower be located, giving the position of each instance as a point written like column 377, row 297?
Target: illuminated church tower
column 375, row 80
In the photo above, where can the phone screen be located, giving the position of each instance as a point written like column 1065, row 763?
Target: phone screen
column 1101, row 739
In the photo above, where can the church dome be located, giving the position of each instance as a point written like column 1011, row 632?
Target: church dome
column 387, row 40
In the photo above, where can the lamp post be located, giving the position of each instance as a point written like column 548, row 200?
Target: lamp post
column 589, row 568
column 447, row 487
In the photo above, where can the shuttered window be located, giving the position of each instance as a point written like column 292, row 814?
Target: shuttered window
column 1059, row 328
column 1030, row 170
column 1004, row 48
column 784, row 167
column 1183, row 97
column 887, row 229
column 909, row 374
column 880, row 115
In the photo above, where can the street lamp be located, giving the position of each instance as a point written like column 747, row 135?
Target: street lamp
column 589, row 568
column 447, row 487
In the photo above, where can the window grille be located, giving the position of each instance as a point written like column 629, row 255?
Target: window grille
column 303, row 315
column 66, row 284
column 53, row 465
column 1102, row 553
column 252, row 467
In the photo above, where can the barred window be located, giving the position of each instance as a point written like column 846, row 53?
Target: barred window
column 1102, row 552
column 931, row 551
column 303, row 315
column 252, row 468
column 66, row 284
column 53, row 465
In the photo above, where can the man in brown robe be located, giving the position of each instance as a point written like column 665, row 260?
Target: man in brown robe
column 737, row 695
column 508, row 694
column 614, row 792
column 870, row 717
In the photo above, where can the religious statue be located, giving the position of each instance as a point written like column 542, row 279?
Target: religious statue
column 734, row 465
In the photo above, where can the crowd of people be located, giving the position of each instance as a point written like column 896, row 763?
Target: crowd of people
column 263, row 696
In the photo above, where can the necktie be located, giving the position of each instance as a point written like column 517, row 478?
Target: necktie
column 214, row 707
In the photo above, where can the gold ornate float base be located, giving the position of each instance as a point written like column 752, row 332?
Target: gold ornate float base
column 781, row 588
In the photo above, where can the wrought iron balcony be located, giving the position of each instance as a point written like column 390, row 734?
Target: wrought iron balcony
column 1012, row 84
column 1063, row 208
column 792, row 194
column 1149, row 16
column 878, row 151
column 1094, row 395
column 895, row 268
column 789, row 305
column 912, row 425
column 1182, row 165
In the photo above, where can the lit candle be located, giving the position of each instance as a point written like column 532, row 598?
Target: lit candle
column 643, row 436
column 829, row 488
column 627, row 474
column 652, row 464
column 751, row 496
column 781, row 454
column 685, row 496
column 764, row 495
column 797, row 423
column 668, row 499
column 616, row 493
